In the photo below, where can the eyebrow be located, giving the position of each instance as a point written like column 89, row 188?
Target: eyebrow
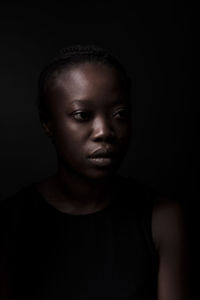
column 90, row 101
column 81, row 101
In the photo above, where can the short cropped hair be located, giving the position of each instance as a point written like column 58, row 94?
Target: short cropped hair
column 74, row 55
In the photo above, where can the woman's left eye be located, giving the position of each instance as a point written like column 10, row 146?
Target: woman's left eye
column 122, row 114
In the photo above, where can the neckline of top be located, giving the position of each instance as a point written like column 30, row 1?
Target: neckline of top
column 61, row 213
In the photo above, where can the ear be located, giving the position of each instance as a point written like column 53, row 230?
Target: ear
column 47, row 127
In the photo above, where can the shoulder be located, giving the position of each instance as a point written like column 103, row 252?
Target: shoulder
column 168, row 223
column 170, row 234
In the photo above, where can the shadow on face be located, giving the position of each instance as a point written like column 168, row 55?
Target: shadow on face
column 90, row 111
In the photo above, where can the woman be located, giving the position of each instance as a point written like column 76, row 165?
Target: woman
column 86, row 232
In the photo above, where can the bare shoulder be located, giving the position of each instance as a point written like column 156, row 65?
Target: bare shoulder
column 169, row 229
column 168, row 222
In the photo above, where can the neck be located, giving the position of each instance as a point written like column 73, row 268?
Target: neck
column 79, row 194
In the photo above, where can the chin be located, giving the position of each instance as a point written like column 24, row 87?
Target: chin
column 102, row 173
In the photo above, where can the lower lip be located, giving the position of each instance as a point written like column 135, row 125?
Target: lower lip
column 104, row 161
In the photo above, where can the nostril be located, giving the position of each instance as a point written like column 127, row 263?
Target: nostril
column 107, row 139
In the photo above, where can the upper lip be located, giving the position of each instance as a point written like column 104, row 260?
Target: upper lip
column 103, row 152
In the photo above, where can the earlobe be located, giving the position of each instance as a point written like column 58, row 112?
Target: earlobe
column 47, row 129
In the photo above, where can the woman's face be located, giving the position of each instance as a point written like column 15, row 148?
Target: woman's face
column 89, row 111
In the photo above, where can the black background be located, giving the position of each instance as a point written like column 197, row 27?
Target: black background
column 154, row 42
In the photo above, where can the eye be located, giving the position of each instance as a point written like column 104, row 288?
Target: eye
column 122, row 114
column 81, row 116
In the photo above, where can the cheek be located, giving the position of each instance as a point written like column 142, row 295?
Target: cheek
column 124, row 132
column 69, row 138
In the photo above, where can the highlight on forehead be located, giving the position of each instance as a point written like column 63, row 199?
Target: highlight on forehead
column 58, row 76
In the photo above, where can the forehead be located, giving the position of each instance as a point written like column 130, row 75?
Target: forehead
column 93, row 84
column 93, row 77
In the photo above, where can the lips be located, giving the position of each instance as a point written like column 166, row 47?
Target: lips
column 103, row 157
column 103, row 153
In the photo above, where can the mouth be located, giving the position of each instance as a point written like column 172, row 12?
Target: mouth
column 103, row 153
column 103, row 157
column 101, row 161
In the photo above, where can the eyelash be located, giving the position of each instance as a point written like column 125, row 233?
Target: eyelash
column 88, row 115
column 78, row 114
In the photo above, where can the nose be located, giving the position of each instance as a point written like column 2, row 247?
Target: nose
column 102, row 130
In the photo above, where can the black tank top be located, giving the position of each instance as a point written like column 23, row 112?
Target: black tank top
column 106, row 255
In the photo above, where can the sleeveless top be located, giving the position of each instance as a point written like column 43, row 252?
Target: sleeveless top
column 106, row 255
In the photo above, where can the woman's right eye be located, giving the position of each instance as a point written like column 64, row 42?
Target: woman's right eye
column 81, row 116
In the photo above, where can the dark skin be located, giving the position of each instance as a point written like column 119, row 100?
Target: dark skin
column 89, row 110
column 99, row 119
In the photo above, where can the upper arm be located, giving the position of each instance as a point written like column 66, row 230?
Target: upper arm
column 170, row 236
